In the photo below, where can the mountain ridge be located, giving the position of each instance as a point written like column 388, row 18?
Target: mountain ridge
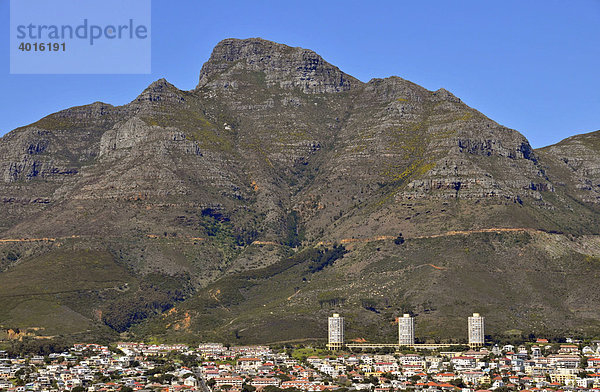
column 238, row 191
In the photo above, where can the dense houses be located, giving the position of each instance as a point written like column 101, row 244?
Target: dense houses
column 213, row 367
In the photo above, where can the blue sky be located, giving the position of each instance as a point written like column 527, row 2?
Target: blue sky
column 529, row 65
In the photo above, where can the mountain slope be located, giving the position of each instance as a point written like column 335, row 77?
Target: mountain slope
column 227, row 201
column 575, row 162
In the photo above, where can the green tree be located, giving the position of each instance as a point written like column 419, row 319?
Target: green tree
column 399, row 240
column 248, row 388
column 272, row 388
column 458, row 382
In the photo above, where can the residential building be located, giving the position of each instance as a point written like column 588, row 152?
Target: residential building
column 476, row 330
column 406, row 330
column 336, row 332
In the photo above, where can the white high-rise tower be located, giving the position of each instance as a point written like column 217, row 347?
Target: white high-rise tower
column 476, row 330
column 406, row 330
column 336, row 332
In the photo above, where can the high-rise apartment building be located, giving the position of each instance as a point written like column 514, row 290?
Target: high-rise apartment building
column 336, row 332
column 476, row 330
column 406, row 330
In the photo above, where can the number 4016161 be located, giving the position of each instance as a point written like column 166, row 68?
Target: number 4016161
column 42, row 47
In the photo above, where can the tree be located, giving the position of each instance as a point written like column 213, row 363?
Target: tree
column 271, row 388
column 583, row 374
column 399, row 240
column 458, row 382
column 283, row 377
column 248, row 388
column 389, row 376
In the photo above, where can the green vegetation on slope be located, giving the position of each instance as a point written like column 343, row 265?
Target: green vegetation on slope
column 59, row 290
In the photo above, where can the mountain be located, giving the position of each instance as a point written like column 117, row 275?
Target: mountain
column 281, row 189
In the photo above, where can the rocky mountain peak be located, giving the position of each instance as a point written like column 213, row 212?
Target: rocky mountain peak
column 442, row 94
column 283, row 66
column 161, row 90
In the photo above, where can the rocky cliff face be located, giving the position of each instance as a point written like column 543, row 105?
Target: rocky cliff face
column 276, row 152
column 281, row 66
column 576, row 163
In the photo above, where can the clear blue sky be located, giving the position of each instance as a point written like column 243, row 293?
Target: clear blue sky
column 529, row 65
